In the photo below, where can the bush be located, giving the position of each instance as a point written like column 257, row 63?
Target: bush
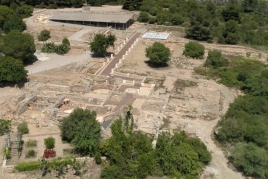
column 152, row 20
column 23, row 128
column 61, row 49
column 143, row 17
column 6, row 153
column 44, row 35
column 49, row 142
column 4, row 126
column 11, row 70
column 52, row 6
column 49, row 153
column 66, row 42
column 31, row 154
column 215, row 59
column 251, row 159
column 158, row 53
column 176, row 19
column 31, row 143
column 194, row 50
column 15, row 23
column 48, row 48
column 27, row 166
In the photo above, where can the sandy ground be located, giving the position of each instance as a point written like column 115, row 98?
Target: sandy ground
column 57, row 61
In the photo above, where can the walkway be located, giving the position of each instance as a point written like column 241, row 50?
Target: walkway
column 128, row 99
column 107, row 71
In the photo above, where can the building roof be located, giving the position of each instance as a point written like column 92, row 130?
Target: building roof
column 92, row 17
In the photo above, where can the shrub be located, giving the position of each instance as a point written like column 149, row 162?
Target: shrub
column 52, row 6
column 23, row 128
column 215, row 59
column 152, row 20
column 27, row 166
column 44, row 35
column 61, row 49
column 48, row 48
column 65, row 41
column 31, row 154
column 6, row 152
column 4, row 126
column 49, row 142
column 251, row 159
column 31, row 143
column 176, row 19
column 49, row 153
column 143, row 17
column 194, row 50
column 158, row 53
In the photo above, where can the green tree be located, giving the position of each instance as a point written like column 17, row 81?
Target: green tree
column 194, row 50
column 172, row 8
column 6, row 14
column 77, row 3
column 232, row 130
column 249, row 5
column 24, row 11
column 23, row 128
column 230, row 32
column 143, row 17
column 18, row 45
column 82, row 130
column 44, row 35
column 199, row 28
column 176, row 19
column 132, row 4
column 11, row 69
column 231, row 12
column 257, row 84
column 252, row 160
column 176, row 157
column 49, row 142
column 215, row 59
column 101, row 42
column 158, row 53
column 211, row 7
column 14, row 24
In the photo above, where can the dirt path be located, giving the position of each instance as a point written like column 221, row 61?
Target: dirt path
column 219, row 163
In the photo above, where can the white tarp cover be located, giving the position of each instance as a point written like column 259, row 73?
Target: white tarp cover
column 156, row 35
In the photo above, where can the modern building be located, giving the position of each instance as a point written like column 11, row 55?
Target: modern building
column 117, row 21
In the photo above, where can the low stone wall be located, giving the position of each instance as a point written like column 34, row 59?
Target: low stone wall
column 23, row 107
column 79, row 89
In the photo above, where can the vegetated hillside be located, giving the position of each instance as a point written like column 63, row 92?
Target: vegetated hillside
column 231, row 23
column 244, row 128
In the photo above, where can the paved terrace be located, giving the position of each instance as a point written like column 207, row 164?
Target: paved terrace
column 108, row 69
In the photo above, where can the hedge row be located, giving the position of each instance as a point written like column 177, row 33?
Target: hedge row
column 28, row 166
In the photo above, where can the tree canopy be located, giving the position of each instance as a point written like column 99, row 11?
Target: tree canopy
column 82, row 130
column 215, row 59
column 18, row 45
column 44, row 35
column 131, row 154
column 101, row 43
column 199, row 28
column 14, row 24
column 194, row 50
column 158, row 53
column 11, row 70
